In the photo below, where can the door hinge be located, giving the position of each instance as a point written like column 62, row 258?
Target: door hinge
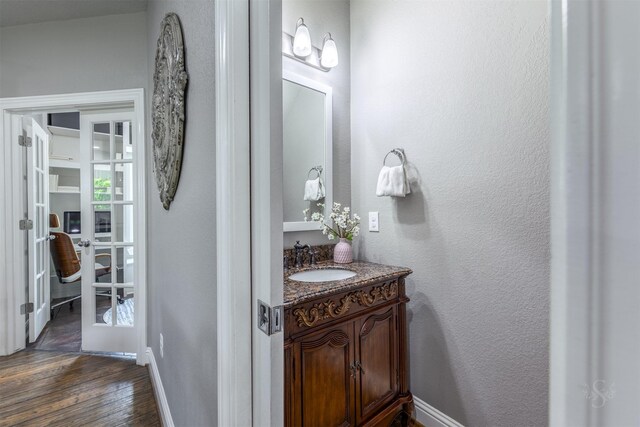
column 269, row 318
column 26, row 308
column 25, row 224
column 24, row 141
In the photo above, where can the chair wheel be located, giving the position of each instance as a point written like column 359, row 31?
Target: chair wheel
column 120, row 300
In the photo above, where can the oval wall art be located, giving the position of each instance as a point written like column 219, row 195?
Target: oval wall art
column 168, row 108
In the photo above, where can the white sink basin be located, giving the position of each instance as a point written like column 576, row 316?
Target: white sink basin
column 322, row 275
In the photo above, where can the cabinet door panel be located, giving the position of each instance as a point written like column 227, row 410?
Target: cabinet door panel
column 378, row 355
column 328, row 395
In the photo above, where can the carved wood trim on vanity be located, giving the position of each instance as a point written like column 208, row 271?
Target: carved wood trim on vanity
column 360, row 321
column 327, row 309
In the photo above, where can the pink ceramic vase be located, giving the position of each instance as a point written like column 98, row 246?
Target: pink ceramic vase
column 343, row 253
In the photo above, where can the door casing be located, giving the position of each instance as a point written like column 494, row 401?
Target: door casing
column 248, row 161
column 12, row 242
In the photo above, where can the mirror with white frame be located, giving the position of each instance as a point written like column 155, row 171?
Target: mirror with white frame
column 307, row 150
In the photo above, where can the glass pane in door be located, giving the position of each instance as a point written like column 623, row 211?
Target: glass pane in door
column 102, row 219
column 123, row 141
column 101, row 143
column 40, row 187
column 102, row 300
column 124, row 308
column 102, row 182
column 124, row 264
column 40, row 290
column 123, row 223
column 123, row 182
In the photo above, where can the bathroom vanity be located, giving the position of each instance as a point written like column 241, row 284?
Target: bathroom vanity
column 346, row 348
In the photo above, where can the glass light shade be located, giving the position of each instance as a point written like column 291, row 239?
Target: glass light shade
column 302, row 40
column 329, row 57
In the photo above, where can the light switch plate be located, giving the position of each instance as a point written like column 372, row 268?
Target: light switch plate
column 373, row 221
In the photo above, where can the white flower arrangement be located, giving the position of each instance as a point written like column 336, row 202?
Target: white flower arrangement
column 345, row 224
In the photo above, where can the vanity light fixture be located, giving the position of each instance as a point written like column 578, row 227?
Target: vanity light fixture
column 301, row 40
column 299, row 47
column 329, row 58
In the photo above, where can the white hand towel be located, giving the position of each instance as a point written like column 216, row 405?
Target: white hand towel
column 314, row 190
column 393, row 181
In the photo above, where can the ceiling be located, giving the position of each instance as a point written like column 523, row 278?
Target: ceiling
column 20, row 12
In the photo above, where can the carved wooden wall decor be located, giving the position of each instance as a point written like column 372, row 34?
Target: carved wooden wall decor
column 168, row 108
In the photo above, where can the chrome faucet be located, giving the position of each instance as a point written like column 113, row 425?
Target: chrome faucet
column 299, row 253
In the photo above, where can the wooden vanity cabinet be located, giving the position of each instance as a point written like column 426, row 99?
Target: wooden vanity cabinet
column 345, row 359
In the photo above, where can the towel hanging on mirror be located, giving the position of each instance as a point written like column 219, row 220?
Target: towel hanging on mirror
column 314, row 188
column 393, row 181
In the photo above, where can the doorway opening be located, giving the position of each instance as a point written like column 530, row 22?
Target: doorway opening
column 62, row 196
column 82, row 222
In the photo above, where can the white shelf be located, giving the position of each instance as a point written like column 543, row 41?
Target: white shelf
column 57, row 130
column 67, row 164
column 78, row 236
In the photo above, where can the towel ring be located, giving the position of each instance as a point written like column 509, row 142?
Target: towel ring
column 317, row 169
column 398, row 152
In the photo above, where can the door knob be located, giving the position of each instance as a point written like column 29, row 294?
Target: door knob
column 51, row 237
column 84, row 243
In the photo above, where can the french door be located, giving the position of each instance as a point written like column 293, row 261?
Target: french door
column 38, row 208
column 108, row 249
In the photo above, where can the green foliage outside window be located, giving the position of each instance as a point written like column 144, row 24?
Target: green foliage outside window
column 102, row 192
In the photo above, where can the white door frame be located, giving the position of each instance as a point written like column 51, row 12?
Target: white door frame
column 249, row 209
column 595, row 211
column 12, row 270
column 266, row 204
column 233, row 235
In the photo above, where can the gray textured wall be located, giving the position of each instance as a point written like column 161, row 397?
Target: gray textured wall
column 81, row 55
column 326, row 17
column 182, row 249
column 463, row 86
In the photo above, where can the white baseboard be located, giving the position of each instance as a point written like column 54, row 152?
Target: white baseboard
column 429, row 416
column 158, row 389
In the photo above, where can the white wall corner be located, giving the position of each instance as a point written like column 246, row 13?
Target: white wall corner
column 429, row 416
column 158, row 390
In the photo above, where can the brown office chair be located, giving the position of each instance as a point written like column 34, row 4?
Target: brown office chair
column 67, row 263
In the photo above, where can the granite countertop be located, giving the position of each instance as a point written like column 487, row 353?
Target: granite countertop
column 296, row 292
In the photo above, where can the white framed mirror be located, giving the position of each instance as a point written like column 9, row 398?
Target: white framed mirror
column 307, row 149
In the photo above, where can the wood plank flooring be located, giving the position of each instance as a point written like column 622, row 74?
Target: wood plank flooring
column 64, row 331
column 45, row 388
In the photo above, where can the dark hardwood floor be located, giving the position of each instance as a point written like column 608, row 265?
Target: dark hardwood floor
column 46, row 388
column 64, row 331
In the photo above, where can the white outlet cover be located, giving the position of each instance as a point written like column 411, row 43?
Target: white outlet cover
column 374, row 225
